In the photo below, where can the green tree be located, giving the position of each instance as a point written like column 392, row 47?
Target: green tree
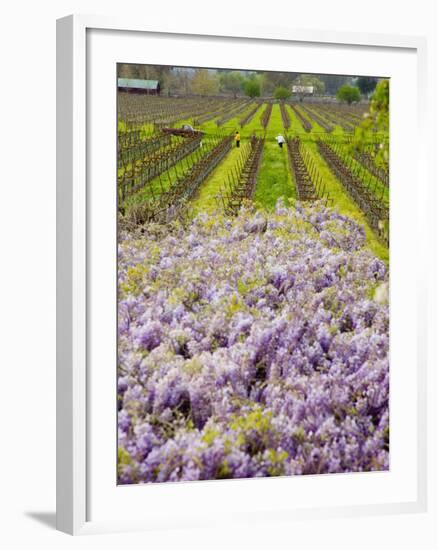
column 204, row 82
column 231, row 81
column 379, row 105
column 366, row 84
column 349, row 94
column 281, row 92
column 375, row 121
column 252, row 87
column 273, row 80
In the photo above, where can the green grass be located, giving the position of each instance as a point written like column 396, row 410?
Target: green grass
column 254, row 125
column 274, row 179
column 205, row 199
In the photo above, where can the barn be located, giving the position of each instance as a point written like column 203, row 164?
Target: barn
column 139, row 86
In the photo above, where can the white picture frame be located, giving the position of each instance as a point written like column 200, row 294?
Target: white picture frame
column 75, row 217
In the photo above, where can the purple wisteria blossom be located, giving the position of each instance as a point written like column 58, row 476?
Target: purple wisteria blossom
column 252, row 346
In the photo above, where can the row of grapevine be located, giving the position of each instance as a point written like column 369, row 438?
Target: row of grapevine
column 318, row 119
column 240, row 184
column 304, row 121
column 285, row 116
column 307, row 179
column 264, row 119
column 172, row 202
column 376, row 211
column 136, row 175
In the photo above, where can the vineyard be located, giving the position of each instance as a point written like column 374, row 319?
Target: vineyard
column 253, row 275
column 164, row 170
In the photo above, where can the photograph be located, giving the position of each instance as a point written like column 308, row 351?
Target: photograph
column 253, row 266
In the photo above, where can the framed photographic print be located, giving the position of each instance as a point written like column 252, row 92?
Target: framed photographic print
column 240, row 289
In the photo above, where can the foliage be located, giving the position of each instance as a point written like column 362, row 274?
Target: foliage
column 273, row 79
column 379, row 106
column 349, row 94
column 252, row 87
column 281, row 92
column 377, row 120
column 231, row 81
column 204, row 82
column 366, row 84
column 251, row 346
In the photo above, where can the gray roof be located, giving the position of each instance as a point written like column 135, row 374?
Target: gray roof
column 137, row 83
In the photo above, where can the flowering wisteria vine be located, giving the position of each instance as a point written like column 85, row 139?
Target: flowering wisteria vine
column 252, row 346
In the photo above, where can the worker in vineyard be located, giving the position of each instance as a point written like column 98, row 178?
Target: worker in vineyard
column 237, row 139
column 280, row 140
